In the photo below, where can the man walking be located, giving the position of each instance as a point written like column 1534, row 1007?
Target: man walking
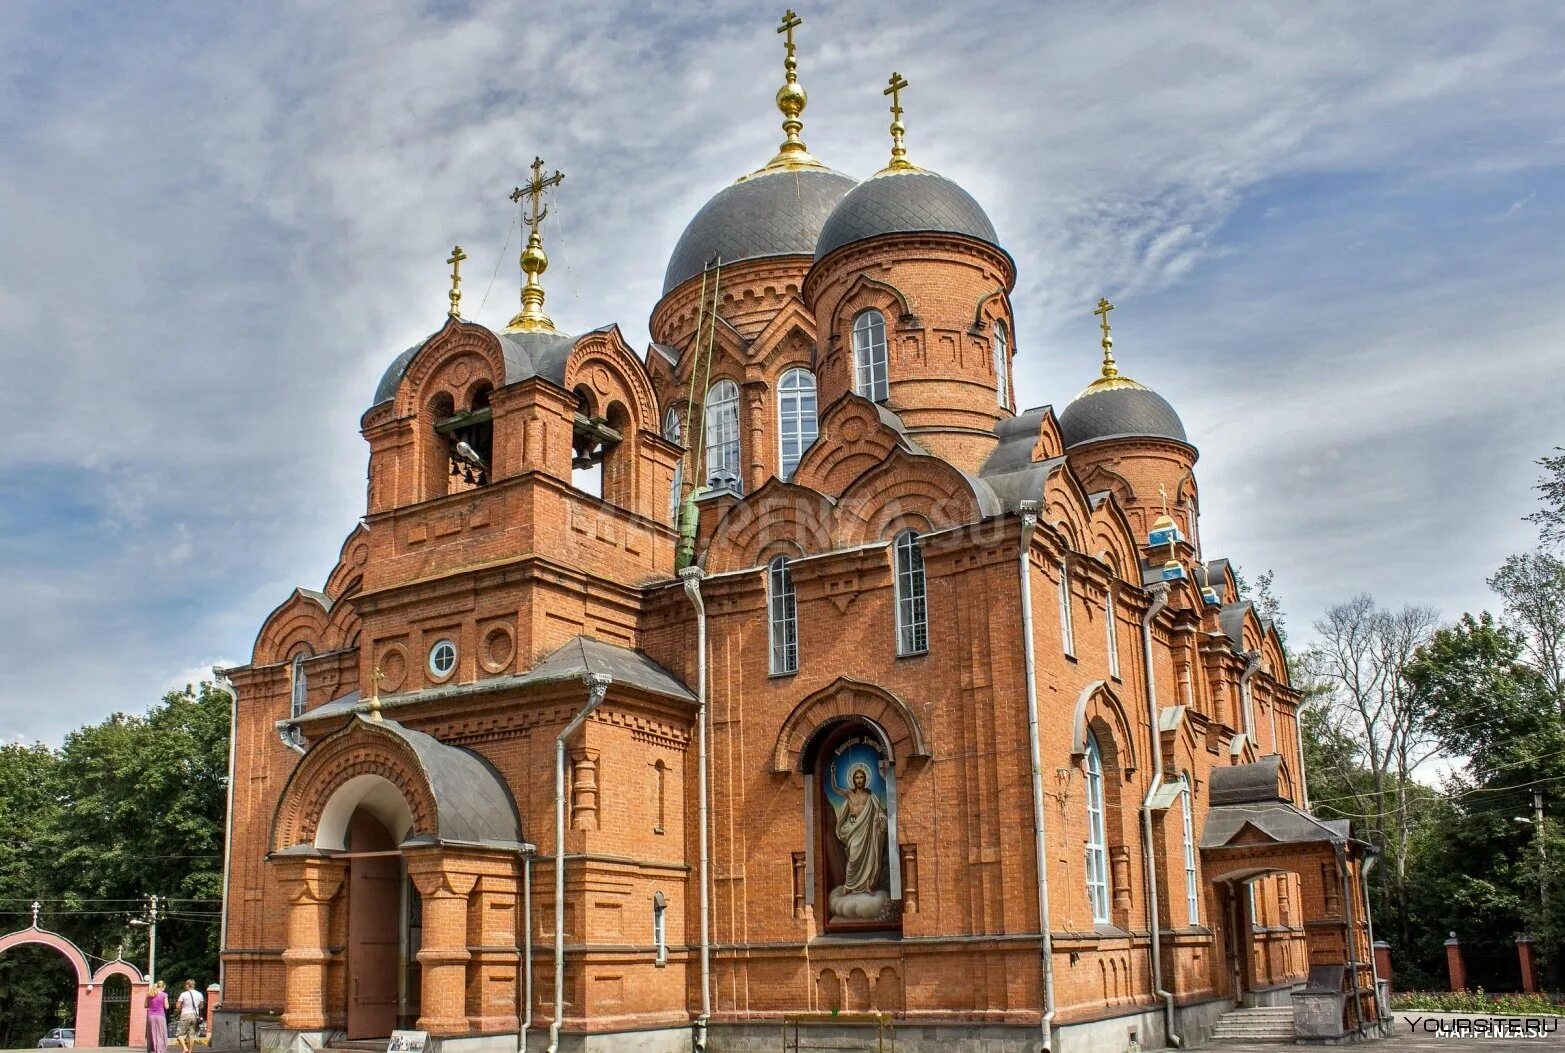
column 189, row 1030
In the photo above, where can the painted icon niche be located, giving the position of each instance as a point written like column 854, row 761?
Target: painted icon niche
column 857, row 831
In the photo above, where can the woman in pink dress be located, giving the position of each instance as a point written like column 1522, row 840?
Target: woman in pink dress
column 157, row 1019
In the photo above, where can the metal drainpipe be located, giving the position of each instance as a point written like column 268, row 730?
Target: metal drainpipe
column 1029, row 514
column 1159, row 601
column 226, row 686
column 597, row 685
column 285, row 734
column 1252, row 662
column 692, row 576
column 526, row 1021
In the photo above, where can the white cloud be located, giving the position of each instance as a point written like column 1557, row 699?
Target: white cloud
column 233, row 222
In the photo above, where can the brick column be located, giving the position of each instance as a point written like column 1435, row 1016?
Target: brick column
column 214, row 998
column 310, row 883
column 1528, row 963
column 445, row 954
column 1383, row 961
column 1453, row 964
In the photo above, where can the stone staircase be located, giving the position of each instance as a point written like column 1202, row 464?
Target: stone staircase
column 1261, row 1024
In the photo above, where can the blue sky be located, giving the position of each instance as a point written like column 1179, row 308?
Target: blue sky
column 1333, row 232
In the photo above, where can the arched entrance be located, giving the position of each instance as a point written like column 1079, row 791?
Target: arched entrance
column 89, row 986
column 375, row 883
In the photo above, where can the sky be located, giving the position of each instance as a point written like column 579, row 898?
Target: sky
column 1332, row 230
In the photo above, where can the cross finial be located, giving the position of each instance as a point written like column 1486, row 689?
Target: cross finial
column 1109, row 368
column 457, row 256
column 791, row 100
column 36, row 908
column 899, row 161
column 534, row 260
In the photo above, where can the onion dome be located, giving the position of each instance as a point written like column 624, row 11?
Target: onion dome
column 778, row 209
column 1115, row 406
column 903, row 198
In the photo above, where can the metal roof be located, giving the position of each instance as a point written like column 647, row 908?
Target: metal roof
column 526, row 355
column 904, row 202
column 776, row 213
column 1118, row 413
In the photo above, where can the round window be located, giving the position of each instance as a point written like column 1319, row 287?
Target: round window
column 442, row 659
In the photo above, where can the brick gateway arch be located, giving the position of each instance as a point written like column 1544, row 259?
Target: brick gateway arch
column 89, row 985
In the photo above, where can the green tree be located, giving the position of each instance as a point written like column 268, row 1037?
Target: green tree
column 1533, row 587
column 1550, row 519
column 35, row 984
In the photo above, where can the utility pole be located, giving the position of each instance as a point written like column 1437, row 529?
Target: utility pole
column 150, row 923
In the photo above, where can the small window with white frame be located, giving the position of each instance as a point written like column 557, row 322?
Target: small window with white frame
column 1111, row 632
column 869, row 356
column 442, row 659
column 912, row 603
column 1067, row 630
column 1002, row 361
column 1097, row 855
column 782, row 603
column 660, row 928
column 1192, row 888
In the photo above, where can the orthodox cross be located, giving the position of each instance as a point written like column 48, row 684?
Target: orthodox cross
column 1104, row 307
column 457, row 256
column 898, row 129
column 790, row 22
column 533, row 191
column 36, row 909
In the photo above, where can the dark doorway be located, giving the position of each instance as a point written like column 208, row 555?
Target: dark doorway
column 374, row 910
column 114, row 1026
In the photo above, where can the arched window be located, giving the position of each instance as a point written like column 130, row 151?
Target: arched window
column 660, row 927
column 1192, row 890
column 869, row 355
column 1111, row 631
column 299, row 695
column 301, row 686
column 912, row 611
column 722, row 436
column 784, row 608
column 1002, row 361
column 796, row 423
column 674, row 434
column 1097, row 842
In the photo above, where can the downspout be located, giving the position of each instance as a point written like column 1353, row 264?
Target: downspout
column 1369, row 923
column 226, row 686
column 285, row 735
column 1252, row 662
column 1155, row 924
column 1029, row 513
column 597, row 685
column 526, row 1020
column 692, row 576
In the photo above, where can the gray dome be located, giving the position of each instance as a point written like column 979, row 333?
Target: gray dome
column 1127, row 409
column 904, row 202
column 527, row 354
column 776, row 213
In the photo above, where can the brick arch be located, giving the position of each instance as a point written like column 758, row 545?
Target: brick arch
column 356, row 750
column 849, row 699
column 457, row 339
column 855, row 436
column 624, row 378
column 301, row 618
column 778, row 511
column 908, row 485
column 865, row 293
column 89, row 985
column 1098, row 704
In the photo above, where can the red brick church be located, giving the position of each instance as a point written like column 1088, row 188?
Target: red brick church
column 786, row 673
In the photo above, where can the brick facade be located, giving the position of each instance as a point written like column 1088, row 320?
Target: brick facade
column 512, row 571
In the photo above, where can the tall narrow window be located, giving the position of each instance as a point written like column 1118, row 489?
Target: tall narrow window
column 869, row 355
column 301, row 687
column 912, row 611
column 660, row 927
column 1067, row 631
column 673, row 433
column 1097, row 845
column 784, row 616
column 1111, row 630
column 722, row 436
column 1002, row 362
column 1192, row 890
column 796, row 422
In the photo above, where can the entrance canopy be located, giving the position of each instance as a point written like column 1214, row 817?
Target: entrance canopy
column 423, row 790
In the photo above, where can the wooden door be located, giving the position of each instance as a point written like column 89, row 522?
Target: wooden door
column 374, row 906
